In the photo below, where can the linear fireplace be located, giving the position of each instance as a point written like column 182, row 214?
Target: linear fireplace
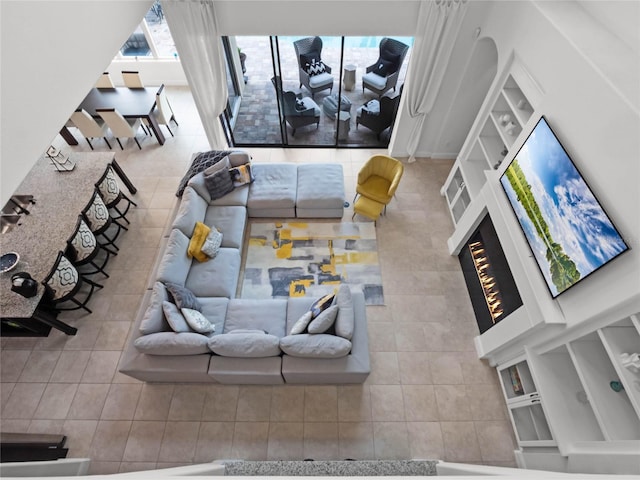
column 493, row 291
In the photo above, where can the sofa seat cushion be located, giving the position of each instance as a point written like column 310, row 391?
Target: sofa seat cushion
column 172, row 343
column 315, row 346
column 237, row 197
column 320, row 191
column 216, row 278
column 268, row 315
column 230, row 221
column 274, row 189
column 245, row 345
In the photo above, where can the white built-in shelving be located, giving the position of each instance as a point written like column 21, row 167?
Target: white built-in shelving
column 496, row 130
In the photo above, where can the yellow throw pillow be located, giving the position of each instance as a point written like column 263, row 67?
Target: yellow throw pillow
column 198, row 237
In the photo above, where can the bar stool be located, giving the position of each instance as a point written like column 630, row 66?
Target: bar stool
column 63, row 284
column 112, row 195
column 96, row 214
column 83, row 249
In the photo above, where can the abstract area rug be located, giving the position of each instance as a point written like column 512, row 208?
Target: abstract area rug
column 300, row 259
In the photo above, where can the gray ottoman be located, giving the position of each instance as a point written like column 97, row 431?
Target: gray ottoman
column 273, row 192
column 330, row 105
column 320, row 191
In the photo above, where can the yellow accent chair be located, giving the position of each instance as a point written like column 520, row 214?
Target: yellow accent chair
column 379, row 178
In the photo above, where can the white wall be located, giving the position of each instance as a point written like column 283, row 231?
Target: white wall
column 597, row 120
column 51, row 54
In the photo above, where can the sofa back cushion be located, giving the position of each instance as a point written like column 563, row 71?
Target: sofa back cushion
column 345, row 322
column 315, row 346
column 268, row 315
column 245, row 345
column 154, row 320
column 172, row 343
column 175, row 264
column 192, row 209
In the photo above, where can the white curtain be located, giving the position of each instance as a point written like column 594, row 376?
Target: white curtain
column 195, row 31
column 438, row 24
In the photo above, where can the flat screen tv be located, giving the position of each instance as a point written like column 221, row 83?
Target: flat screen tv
column 568, row 231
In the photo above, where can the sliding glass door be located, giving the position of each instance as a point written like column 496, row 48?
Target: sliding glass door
column 308, row 91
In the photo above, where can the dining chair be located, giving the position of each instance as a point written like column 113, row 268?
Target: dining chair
column 132, row 79
column 165, row 114
column 120, row 126
column 83, row 249
column 64, row 283
column 89, row 126
column 97, row 216
column 105, row 81
column 112, row 195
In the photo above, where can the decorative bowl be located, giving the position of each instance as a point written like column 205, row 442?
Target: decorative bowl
column 8, row 261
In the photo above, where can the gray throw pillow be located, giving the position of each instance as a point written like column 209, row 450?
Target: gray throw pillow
column 323, row 322
column 345, row 321
column 301, row 325
column 175, row 319
column 172, row 343
column 197, row 321
column 245, row 345
column 315, row 346
column 219, row 183
column 212, row 244
column 183, row 297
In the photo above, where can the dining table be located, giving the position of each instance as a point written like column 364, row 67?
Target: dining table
column 59, row 198
column 130, row 102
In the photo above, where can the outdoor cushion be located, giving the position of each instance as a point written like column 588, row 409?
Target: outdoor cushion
column 375, row 80
column 172, row 343
column 320, row 80
column 315, row 346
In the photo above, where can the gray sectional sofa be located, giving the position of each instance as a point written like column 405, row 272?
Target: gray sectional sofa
column 251, row 336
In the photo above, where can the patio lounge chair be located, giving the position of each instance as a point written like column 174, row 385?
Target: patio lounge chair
column 298, row 111
column 314, row 74
column 383, row 75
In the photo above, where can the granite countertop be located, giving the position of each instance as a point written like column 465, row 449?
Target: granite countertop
column 340, row 468
column 59, row 197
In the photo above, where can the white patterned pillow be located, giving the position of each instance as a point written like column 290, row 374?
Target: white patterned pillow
column 197, row 321
column 212, row 244
column 316, row 68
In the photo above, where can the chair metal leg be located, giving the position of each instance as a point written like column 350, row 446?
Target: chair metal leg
column 89, row 142
column 119, row 144
column 169, row 130
column 173, row 117
column 107, row 142
column 137, row 143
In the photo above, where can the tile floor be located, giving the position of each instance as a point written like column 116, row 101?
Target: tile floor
column 428, row 395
